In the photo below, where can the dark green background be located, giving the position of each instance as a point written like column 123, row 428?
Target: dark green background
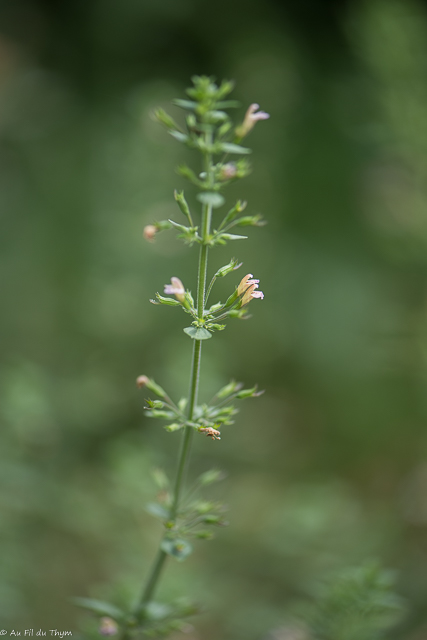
column 329, row 467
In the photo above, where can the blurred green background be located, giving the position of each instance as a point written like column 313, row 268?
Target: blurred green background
column 329, row 468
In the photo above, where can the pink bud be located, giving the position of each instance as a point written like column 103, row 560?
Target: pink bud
column 149, row 232
column 108, row 627
column 141, row 381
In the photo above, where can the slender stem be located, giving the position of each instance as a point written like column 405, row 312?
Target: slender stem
column 153, row 578
column 156, row 569
column 188, row 431
column 212, row 282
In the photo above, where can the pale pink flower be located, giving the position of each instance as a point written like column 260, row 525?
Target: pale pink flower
column 176, row 289
column 251, row 118
column 247, row 288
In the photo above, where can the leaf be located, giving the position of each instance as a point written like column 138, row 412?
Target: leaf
column 211, row 198
column 180, row 227
column 230, row 147
column 169, row 301
column 174, row 427
column 232, row 236
column 177, row 548
column 181, row 137
column 100, row 607
column 213, row 475
column 197, row 333
column 160, row 478
column 157, row 611
column 185, row 104
column 217, row 116
column 157, row 510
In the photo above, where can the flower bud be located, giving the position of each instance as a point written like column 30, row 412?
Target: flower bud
column 141, row 381
column 228, row 171
column 144, row 381
column 149, row 232
column 108, row 627
column 228, row 268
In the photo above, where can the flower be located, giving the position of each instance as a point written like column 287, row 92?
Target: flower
column 251, row 118
column 149, row 232
column 247, row 289
column 210, row 431
column 176, row 289
column 108, row 627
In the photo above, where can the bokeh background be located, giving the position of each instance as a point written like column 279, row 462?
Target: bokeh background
column 328, row 469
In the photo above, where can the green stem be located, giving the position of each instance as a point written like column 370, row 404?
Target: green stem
column 156, row 569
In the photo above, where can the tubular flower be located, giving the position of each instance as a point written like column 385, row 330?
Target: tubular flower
column 251, row 118
column 176, row 289
column 248, row 287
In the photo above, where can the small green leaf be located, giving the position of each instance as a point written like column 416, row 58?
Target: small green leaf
column 204, row 534
column 179, row 549
column 156, row 413
column 182, row 403
column 154, row 404
column 216, row 327
column 160, row 478
column 229, row 147
column 213, row 199
column 232, row 236
column 185, row 104
column 229, row 388
column 157, row 510
column 198, row 333
column 213, row 475
column 249, row 393
column 174, row 427
column 217, row 116
column 169, row 301
column 100, row 608
column 180, row 227
column 157, row 610
column 165, row 119
column 181, row 137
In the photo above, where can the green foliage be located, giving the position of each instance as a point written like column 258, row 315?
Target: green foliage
column 356, row 604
